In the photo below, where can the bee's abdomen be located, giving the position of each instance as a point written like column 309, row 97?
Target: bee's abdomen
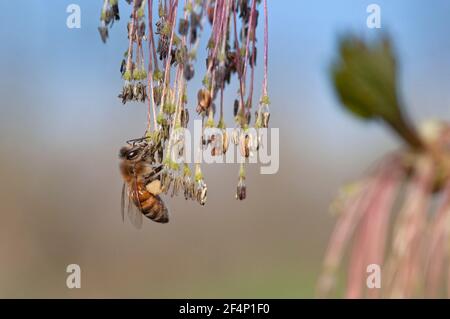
column 154, row 208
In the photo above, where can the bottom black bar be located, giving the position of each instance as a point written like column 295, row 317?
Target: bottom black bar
column 227, row 308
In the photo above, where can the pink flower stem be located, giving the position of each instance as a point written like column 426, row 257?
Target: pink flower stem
column 169, row 54
column 130, row 35
column 218, row 38
column 151, row 45
column 217, row 26
column 252, row 76
column 238, row 62
column 249, row 32
column 266, row 49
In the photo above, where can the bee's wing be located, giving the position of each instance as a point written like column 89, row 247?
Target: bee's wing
column 123, row 198
column 134, row 214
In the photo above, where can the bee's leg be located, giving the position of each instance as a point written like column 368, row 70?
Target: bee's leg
column 158, row 168
column 156, row 173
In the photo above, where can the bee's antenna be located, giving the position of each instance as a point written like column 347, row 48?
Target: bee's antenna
column 133, row 141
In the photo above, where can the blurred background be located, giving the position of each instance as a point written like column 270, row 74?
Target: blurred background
column 61, row 126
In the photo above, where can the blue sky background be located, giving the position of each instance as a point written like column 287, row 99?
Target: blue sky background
column 63, row 77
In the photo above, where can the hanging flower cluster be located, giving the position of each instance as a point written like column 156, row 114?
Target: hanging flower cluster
column 173, row 35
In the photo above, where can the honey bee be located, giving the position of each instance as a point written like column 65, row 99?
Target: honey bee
column 142, row 183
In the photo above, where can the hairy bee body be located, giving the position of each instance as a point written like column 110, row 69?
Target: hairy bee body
column 142, row 182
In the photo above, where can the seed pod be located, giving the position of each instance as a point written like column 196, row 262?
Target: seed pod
column 215, row 151
column 189, row 191
column 123, row 95
column 184, row 118
column 103, row 33
column 135, row 91
column 193, row 35
column 165, row 182
column 252, row 58
column 245, row 144
column 258, row 142
column 248, row 117
column 236, row 136
column 137, row 3
column 157, row 95
column 177, row 184
column 188, row 186
column 241, row 191
column 220, row 75
column 195, row 20
column 205, row 142
column 188, row 72
column 225, row 141
column 129, row 92
column 265, row 119
column 210, row 13
column 204, row 100
column 253, row 144
column 141, row 30
column 144, row 93
column 235, row 107
column 115, row 10
column 216, row 144
column 108, row 17
column 123, row 67
column 201, row 192
column 183, row 27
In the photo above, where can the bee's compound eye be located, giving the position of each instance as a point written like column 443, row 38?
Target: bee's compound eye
column 132, row 154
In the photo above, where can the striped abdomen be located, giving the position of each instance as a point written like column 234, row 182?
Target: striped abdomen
column 150, row 205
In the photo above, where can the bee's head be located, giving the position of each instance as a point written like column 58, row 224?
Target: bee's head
column 131, row 152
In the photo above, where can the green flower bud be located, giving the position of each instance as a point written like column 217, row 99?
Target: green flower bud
column 127, row 75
